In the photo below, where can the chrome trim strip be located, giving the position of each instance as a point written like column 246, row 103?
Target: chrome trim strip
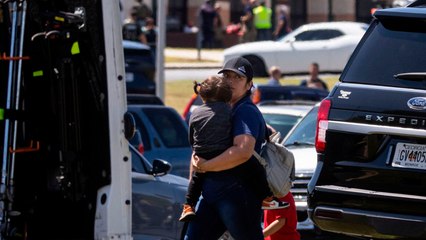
column 374, row 129
column 388, row 158
column 369, row 214
column 301, row 181
column 367, row 193
column 383, row 88
column 299, row 191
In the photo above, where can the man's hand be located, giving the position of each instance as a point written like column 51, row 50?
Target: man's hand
column 197, row 163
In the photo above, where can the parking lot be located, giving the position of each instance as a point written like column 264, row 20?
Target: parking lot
column 181, row 72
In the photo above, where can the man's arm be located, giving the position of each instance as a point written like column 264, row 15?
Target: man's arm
column 240, row 152
column 142, row 38
column 280, row 25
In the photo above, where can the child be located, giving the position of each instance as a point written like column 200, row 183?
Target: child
column 210, row 134
column 281, row 223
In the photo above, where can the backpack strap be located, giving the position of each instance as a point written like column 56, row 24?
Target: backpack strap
column 259, row 158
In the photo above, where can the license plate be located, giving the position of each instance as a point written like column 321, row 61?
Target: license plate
column 410, row 156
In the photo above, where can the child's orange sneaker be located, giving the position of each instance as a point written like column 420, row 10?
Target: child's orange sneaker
column 188, row 213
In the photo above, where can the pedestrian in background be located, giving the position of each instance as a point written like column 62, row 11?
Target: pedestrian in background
column 314, row 81
column 247, row 32
column 150, row 32
column 219, row 29
column 207, row 16
column 282, row 27
column 132, row 30
column 274, row 76
column 262, row 21
column 142, row 12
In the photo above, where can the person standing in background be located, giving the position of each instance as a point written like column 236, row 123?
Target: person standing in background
column 247, row 32
column 132, row 30
column 150, row 32
column 274, row 76
column 207, row 16
column 262, row 22
column 218, row 27
column 314, row 81
column 282, row 27
column 142, row 11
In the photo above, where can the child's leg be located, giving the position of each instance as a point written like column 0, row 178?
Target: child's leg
column 192, row 196
column 194, row 188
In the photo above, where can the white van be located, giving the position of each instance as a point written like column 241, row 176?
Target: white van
column 66, row 169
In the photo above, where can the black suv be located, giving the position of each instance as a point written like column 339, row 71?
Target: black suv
column 140, row 68
column 370, row 179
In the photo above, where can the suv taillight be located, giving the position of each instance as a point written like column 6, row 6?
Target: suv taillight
column 322, row 125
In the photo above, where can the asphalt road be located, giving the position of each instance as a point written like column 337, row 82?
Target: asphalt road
column 310, row 235
column 189, row 74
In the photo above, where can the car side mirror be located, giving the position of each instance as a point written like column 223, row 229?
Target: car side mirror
column 160, row 167
column 129, row 125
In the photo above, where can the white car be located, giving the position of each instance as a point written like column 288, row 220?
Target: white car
column 283, row 115
column 330, row 44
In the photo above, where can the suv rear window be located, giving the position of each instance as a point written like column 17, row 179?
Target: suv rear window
column 389, row 45
column 169, row 126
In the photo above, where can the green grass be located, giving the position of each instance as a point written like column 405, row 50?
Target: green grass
column 178, row 93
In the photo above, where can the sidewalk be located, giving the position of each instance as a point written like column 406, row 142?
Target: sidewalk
column 192, row 58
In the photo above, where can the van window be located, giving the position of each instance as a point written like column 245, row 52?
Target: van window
column 169, row 126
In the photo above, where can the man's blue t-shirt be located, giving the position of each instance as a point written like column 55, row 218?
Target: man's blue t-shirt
column 247, row 119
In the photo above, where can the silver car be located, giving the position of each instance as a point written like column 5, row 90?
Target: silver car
column 300, row 141
column 282, row 116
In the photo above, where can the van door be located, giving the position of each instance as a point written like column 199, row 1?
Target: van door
column 65, row 160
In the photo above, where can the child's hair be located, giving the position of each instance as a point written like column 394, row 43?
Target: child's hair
column 214, row 88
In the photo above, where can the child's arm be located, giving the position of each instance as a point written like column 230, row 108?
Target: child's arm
column 274, row 227
column 240, row 152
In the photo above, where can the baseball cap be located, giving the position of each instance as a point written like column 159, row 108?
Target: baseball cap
column 240, row 66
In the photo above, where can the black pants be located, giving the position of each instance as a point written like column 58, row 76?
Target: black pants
column 196, row 183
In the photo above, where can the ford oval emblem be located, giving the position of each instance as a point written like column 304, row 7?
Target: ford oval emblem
column 417, row 103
